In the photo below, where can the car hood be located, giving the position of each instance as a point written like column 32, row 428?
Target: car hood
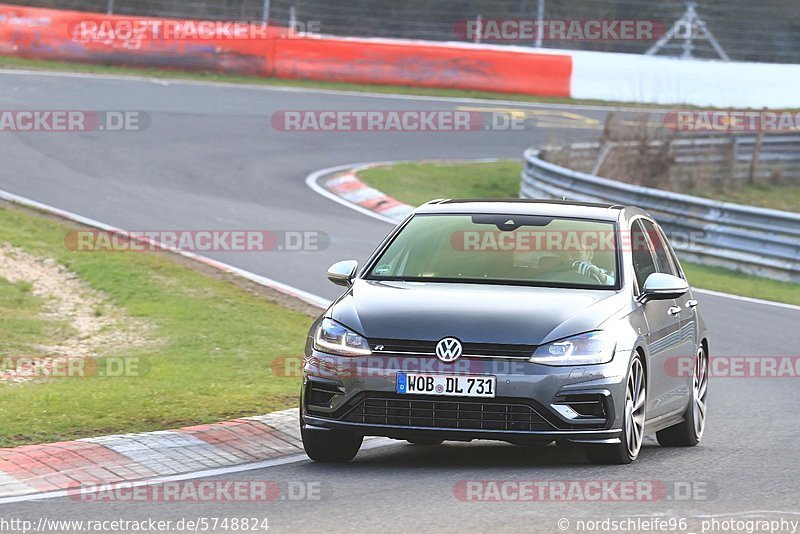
column 473, row 313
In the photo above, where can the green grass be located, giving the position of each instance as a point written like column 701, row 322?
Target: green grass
column 738, row 283
column 778, row 197
column 212, row 360
column 22, row 325
column 416, row 183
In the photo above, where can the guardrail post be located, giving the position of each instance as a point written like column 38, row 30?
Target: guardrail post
column 479, row 28
column 751, row 177
column 731, row 155
column 265, row 12
column 734, row 151
column 539, row 24
column 606, row 135
column 605, row 145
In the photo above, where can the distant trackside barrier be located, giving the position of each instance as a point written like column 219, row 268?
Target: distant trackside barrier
column 755, row 240
column 273, row 51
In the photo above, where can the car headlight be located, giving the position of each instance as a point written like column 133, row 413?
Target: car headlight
column 333, row 338
column 585, row 349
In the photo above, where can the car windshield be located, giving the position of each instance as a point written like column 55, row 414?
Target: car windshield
column 502, row 249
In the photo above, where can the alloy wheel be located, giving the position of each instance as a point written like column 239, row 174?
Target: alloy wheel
column 635, row 399
column 699, row 389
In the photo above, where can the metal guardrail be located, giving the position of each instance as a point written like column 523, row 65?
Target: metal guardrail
column 734, row 153
column 755, row 240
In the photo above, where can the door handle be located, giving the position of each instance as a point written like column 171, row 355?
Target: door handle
column 674, row 310
column 691, row 303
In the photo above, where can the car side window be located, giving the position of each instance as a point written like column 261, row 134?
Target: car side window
column 665, row 264
column 674, row 257
column 643, row 262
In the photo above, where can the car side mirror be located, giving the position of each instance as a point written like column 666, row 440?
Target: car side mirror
column 342, row 273
column 661, row 286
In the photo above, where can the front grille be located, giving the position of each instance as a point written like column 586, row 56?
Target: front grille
column 495, row 414
column 428, row 348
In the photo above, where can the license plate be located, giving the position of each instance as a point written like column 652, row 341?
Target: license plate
column 446, row 385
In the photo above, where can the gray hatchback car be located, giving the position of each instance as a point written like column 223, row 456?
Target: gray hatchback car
column 522, row 321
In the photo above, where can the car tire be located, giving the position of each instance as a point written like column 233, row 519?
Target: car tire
column 330, row 446
column 426, row 442
column 627, row 450
column 689, row 432
column 607, row 455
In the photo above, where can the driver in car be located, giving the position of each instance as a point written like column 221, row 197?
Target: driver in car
column 582, row 264
column 578, row 261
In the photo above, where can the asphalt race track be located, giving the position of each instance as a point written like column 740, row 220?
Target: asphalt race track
column 211, row 159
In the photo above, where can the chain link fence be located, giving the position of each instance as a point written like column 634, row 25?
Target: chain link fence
column 765, row 31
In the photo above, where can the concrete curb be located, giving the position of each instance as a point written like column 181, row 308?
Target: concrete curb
column 341, row 184
column 33, row 469
column 130, row 457
column 123, row 458
column 346, row 188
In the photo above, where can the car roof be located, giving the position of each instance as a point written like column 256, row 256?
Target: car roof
column 522, row 206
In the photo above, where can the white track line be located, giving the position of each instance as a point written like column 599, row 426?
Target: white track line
column 359, row 94
column 279, row 286
column 751, row 300
column 312, row 182
column 206, row 473
column 310, row 298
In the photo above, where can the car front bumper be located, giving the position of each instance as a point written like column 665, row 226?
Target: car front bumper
column 533, row 403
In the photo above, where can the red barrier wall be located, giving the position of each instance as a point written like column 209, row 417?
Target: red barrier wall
column 423, row 65
column 50, row 34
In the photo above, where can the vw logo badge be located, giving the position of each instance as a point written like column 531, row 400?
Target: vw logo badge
column 448, row 349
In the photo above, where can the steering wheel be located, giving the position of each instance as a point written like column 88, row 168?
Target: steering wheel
column 590, row 271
